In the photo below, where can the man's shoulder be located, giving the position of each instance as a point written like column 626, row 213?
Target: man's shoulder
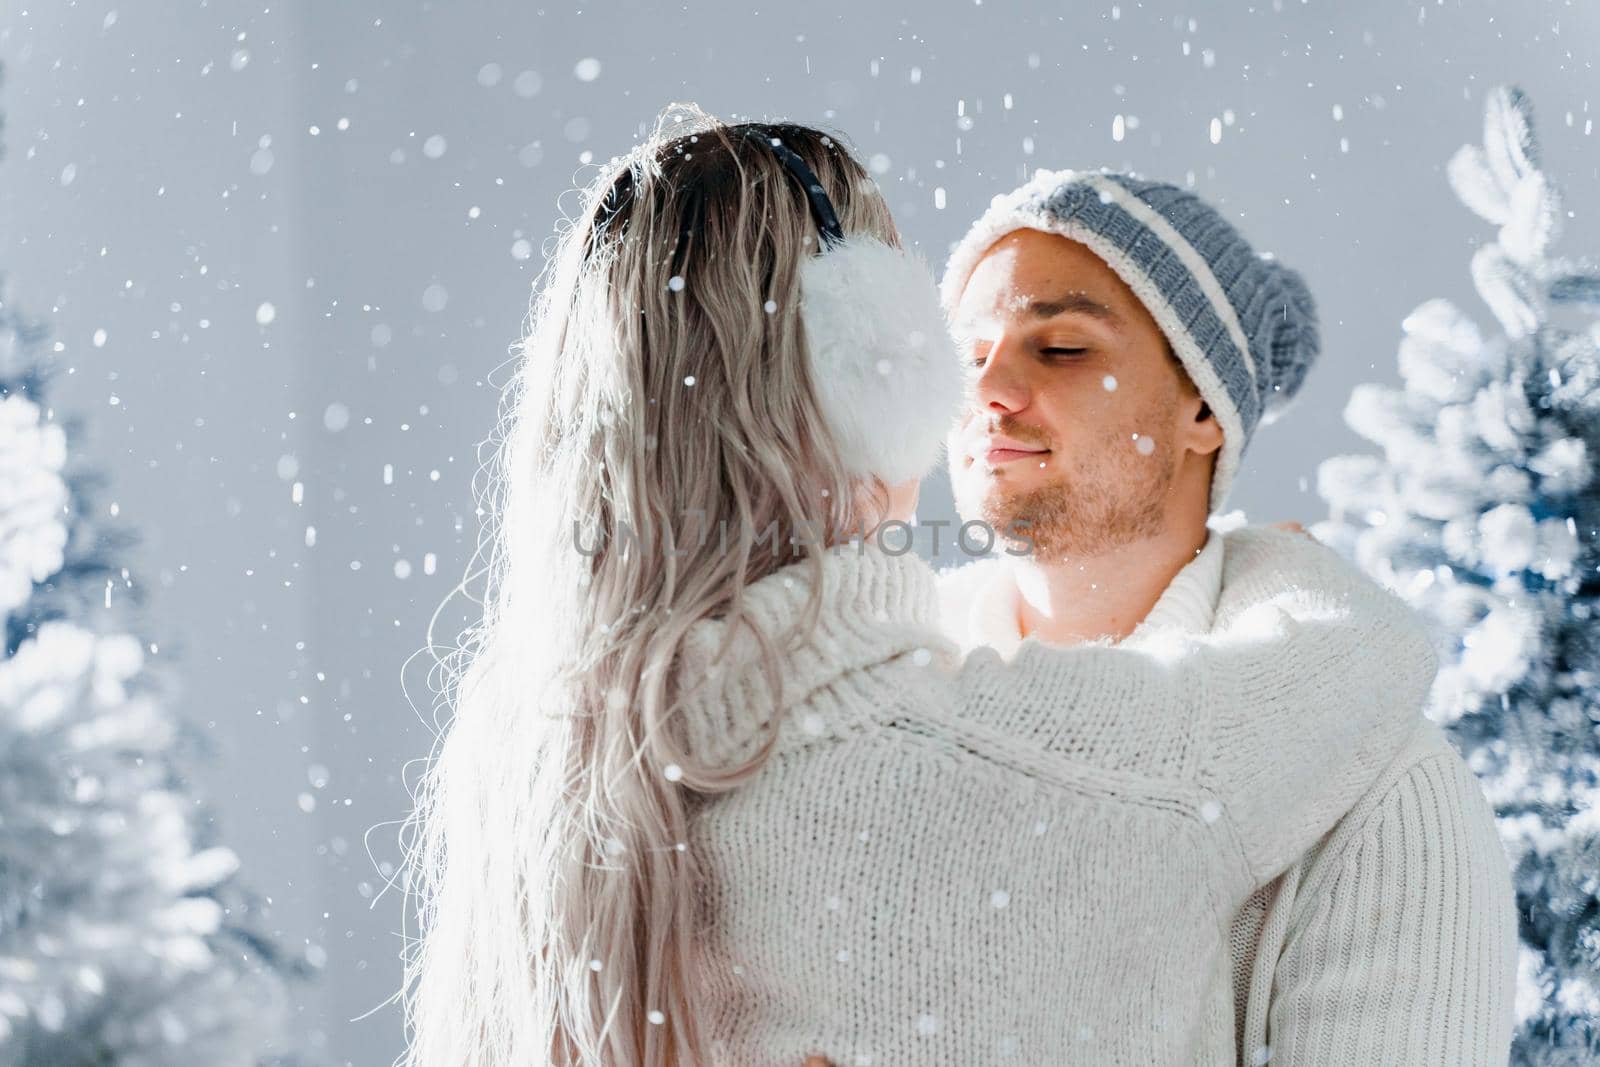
column 1278, row 552
column 1429, row 750
column 1426, row 790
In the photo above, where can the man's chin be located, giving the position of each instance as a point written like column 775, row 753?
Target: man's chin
column 1002, row 490
column 991, row 488
column 1003, row 510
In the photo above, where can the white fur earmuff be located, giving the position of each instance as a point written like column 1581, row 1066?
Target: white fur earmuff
column 884, row 367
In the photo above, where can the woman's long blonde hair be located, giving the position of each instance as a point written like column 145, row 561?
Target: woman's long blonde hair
column 661, row 422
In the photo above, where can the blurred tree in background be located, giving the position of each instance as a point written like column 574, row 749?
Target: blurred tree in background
column 1482, row 511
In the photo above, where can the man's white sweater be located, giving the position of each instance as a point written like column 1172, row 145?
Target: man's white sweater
column 1392, row 940
column 1034, row 861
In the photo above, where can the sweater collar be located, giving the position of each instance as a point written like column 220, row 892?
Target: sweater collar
column 1188, row 604
column 873, row 606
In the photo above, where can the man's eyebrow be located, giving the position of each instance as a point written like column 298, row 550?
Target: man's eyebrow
column 1071, row 303
column 1067, row 304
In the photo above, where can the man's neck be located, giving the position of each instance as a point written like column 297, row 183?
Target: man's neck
column 1085, row 598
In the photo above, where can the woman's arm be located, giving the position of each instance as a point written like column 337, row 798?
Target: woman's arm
column 1310, row 679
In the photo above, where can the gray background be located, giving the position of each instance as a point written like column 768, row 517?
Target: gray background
column 172, row 167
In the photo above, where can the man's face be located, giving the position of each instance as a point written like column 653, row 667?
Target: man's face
column 1080, row 420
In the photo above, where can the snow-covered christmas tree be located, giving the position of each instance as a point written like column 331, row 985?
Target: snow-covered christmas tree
column 1483, row 511
column 125, row 940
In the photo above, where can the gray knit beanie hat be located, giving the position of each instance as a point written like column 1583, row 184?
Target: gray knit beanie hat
column 1243, row 325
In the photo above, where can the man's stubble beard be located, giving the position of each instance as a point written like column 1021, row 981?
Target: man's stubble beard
column 1116, row 498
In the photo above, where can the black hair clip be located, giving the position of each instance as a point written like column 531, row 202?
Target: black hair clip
column 822, row 210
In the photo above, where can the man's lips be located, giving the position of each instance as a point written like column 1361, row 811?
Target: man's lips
column 1003, row 455
column 1000, row 451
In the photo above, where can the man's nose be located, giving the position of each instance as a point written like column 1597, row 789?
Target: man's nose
column 1002, row 383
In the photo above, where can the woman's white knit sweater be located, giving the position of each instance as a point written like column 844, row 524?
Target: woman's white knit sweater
column 1035, row 861
column 1393, row 939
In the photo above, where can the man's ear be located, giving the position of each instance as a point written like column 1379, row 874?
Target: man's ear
column 1202, row 431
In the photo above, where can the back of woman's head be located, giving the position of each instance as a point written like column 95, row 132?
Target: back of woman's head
column 673, row 366
column 663, row 448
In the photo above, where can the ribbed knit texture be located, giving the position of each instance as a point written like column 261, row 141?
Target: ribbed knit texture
column 1029, row 862
column 1395, row 941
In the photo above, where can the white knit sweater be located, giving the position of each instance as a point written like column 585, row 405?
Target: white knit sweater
column 1392, row 940
column 1031, row 862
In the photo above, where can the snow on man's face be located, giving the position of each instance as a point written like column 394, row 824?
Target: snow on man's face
column 1080, row 422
